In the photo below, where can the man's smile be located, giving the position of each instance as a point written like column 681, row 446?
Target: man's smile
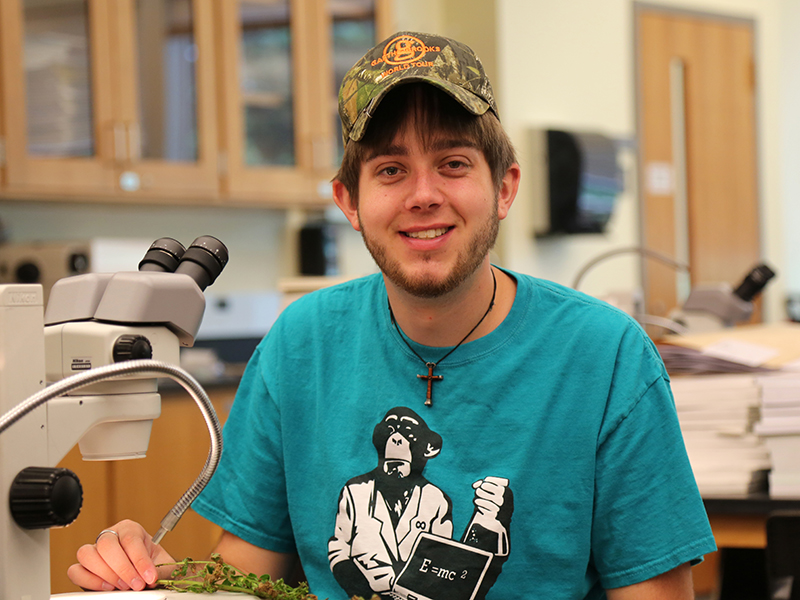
column 427, row 234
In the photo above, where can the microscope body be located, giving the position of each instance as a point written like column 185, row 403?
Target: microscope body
column 91, row 320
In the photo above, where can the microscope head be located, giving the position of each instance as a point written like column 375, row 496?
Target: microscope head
column 167, row 290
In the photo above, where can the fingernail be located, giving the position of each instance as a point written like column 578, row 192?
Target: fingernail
column 150, row 576
column 121, row 585
column 137, row 584
column 107, row 587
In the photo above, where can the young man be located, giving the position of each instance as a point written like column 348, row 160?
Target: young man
column 446, row 429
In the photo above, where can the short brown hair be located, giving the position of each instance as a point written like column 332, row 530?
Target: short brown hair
column 433, row 113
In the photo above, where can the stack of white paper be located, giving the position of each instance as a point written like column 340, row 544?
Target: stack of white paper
column 717, row 414
column 780, row 429
column 744, row 422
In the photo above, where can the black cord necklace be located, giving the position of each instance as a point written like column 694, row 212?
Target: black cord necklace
column 430, row 377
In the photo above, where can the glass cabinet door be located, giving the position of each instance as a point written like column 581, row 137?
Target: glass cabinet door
column 2, row 130
column 264, row 69
column 266, row 83
column 58, row 89
column 109, row 98
column 166, row 132
column 57, row 105
column 282, row 61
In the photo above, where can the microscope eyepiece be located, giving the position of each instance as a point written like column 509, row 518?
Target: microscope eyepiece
column 755, row 281
column 204, row 260
column 163, row 255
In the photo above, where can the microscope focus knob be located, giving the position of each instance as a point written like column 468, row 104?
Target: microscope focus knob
column 132, row 347
column 44, row 497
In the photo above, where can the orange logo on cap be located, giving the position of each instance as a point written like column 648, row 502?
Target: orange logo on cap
column 404, row 49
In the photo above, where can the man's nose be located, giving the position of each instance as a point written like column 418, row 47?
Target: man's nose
column 426, row 193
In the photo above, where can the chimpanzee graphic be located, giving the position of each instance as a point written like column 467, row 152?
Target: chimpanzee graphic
column 382, row 514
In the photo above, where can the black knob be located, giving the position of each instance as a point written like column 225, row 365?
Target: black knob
column 28, row 272
column 44, row 497
column 132, row 347
column 77, row 263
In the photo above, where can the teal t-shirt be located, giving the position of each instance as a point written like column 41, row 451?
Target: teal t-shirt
column 550, row 464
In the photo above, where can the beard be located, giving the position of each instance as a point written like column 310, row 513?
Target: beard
column 468, row 260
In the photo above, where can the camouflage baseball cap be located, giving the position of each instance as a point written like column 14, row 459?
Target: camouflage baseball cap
column 407, row 57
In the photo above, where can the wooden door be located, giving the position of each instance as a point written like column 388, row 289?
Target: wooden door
column 697, row 135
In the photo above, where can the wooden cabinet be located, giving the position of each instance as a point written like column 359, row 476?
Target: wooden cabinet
column 144, row 489
column 70, row 152
column 100, row 103
column 184, row 101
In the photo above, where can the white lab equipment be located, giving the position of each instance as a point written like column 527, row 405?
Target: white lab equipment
column 101, row 345
column 708, row 307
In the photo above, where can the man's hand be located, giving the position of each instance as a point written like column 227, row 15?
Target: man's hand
column 123, row 557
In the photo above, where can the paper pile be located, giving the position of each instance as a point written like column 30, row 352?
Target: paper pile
column 717, row 414
column 737, row 392
column 780, row 428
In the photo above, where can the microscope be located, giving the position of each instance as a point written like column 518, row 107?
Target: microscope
column 85, row 371
column 711, row 307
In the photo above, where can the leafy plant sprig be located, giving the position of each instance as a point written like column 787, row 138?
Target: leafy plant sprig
column 213, row 575
column 208, row 576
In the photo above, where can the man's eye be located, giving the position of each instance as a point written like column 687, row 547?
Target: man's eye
column 455, row 164
column 391, row 171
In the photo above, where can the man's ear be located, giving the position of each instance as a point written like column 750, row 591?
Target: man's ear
column 508, row 190
column 346, row 203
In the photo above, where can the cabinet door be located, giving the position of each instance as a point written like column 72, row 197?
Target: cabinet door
column 57, row 113
column 145, row 490
column 280, row 66
column 165, row 98
column 96, row 480
column 109, row 98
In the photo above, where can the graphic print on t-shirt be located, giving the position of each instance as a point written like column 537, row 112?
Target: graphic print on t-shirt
column 394, row 528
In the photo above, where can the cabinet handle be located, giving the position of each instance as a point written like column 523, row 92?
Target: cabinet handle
column 134, row 142
column 119, row 142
